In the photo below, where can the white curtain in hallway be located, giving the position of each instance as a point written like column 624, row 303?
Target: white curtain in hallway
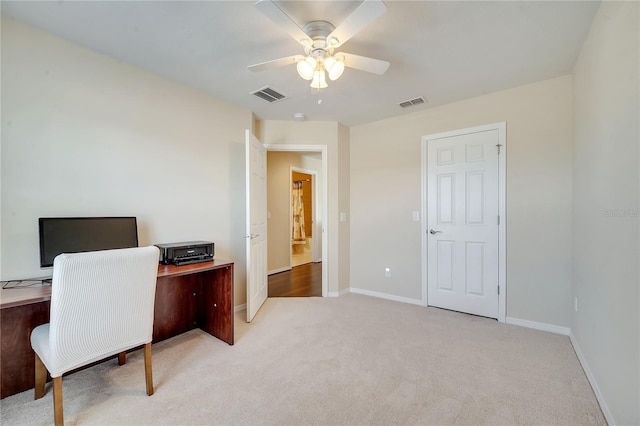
column 298, row 234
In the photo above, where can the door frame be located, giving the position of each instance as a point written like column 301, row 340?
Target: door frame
column 322, row 149
column 314, row 194
column 501, row 127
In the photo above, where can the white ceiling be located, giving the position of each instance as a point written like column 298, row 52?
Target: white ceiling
column 442, row 50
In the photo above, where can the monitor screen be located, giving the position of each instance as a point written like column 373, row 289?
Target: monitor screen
column 79, row 234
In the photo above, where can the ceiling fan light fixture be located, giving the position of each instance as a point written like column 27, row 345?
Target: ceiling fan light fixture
column 334, row 66
column 306, row 68
column 319, row 81
column 320, row 38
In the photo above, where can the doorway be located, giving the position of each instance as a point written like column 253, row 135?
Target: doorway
column 302, row 216
column 464, row 217
column 282, row 269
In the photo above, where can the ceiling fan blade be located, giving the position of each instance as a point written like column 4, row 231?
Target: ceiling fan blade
column 363, row 63
column 281, row 19
column 366, row 13
column 275, row 63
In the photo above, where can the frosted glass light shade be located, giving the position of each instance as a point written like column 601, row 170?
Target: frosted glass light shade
column 306, row 68
column 319, row 81
column 334, row 66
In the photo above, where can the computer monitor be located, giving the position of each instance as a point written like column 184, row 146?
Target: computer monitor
column 81, row 234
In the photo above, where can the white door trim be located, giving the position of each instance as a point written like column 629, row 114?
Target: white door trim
column 325, row 226
column 314, row 196
column 501, row 127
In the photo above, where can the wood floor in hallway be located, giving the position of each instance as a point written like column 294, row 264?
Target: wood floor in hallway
column 301, row 281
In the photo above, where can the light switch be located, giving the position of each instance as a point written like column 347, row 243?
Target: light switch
column 343, row 217
column 416, row 216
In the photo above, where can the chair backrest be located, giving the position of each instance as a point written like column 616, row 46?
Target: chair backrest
column 101, row 304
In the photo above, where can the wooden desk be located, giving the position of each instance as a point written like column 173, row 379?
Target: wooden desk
column 199, row 295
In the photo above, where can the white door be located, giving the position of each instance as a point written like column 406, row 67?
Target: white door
column 462, row 222
column 256, row 178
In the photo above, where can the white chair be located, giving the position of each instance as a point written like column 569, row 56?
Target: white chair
column 101, row 305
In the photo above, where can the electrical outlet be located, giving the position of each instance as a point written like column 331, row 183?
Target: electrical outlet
column 387, row 272
column 575, row 304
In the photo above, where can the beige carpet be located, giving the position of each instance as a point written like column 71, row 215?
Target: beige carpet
column 352, row 360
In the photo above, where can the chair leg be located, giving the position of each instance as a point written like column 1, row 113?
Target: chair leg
column 122, row 358
column 148, row 373
column 41, row 378
column 57, row 401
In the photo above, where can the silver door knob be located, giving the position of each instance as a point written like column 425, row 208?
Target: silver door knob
column 434, row 232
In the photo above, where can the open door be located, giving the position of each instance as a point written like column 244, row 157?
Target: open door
column 256, row 237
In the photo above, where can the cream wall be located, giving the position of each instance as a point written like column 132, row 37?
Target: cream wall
column 326, row 134
column 86, row 135
column 386, row 188
column 278, row 205
column 606, row 253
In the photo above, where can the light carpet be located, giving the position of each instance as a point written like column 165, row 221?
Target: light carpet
column 353, row 360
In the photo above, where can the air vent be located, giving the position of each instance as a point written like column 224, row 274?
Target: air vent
column 412, row 102
column 269, row 94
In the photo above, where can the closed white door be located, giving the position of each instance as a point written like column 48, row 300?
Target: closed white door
column 256, row 224
column 462, row 222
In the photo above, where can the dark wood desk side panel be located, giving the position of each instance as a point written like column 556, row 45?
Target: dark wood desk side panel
column 18, row 359
column 216, row 309
column 176, row 306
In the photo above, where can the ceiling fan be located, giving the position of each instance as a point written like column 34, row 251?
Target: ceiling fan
column 320, row 39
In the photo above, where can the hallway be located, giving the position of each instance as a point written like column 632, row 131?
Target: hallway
column 301, row 281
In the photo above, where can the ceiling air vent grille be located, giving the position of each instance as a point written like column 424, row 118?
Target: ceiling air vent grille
column 269, row 94
column 412, row 102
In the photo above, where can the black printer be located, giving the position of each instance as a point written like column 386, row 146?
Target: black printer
column 186, row 252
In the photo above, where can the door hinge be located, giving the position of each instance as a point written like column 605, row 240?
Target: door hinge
column 498, row 290
column 499, row 146
column 498, row 219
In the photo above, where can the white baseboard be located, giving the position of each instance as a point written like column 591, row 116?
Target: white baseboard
column 338, row 293
column 592, row 380
column 557, row 329
column 566, row 331
column 239, row 308
column 386, row 296
column 277, row 271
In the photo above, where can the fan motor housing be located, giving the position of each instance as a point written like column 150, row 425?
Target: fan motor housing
column 318, row 31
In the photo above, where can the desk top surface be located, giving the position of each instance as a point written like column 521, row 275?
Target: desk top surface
column 19, row 296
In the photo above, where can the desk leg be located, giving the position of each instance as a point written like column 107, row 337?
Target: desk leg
column 217, row 304
column 17, row 358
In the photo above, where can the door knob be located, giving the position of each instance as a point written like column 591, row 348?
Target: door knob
column 434, row 232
